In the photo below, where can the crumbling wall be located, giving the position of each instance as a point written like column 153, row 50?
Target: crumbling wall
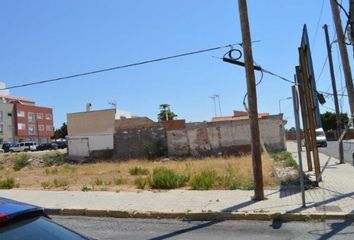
column 224, row 137
column 147, row 142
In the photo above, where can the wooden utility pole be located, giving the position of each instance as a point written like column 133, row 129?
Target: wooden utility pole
column 344, row 55
column 252, row 101
column 305, row 119
column 334, row 87
column 308, row 89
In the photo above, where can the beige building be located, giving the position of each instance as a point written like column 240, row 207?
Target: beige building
column 90, row 132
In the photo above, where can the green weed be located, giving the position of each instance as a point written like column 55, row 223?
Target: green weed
column 119, row 181
column 85, row 188
column 46, row 185
column 137, row 170
column 49, row 171
column 286, row 158
column 164, row 178
column 60, row 182
column 20, row 161
column 7, row 183
column 203, row 180
column 51, row 159
column 141, row 182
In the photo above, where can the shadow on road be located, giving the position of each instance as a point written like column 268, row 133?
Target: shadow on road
column 206, row 224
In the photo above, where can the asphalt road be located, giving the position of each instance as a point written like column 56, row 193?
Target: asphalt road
column 129, row 229
column 332, row 150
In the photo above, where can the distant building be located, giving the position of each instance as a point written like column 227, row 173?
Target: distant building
column 238, row 115
column 90, row 132
column 122, row 114
column 99, row 134
column 21, row 120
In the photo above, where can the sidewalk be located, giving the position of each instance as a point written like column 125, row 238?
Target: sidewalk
column 333, row 199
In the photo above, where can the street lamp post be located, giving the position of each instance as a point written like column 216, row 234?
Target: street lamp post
column 283, row 99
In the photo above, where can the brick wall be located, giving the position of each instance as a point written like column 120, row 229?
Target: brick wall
column 226, row 137
column 142, row 142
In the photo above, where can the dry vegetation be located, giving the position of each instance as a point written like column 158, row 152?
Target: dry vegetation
column 190, row 173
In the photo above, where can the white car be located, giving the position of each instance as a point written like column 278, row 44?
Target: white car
column 24, row 146
column 321, row 139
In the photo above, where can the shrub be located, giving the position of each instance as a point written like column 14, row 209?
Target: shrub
column 98, row 182
column 85, row 188
column 164, row 178
column 68, row 169
column 49, row 171
column 7, row 183
column 229, row 180
column 51, row 159
column 286, row 158
column 203, row 180
column 141, row 182
column 119, row 181
column 60, row 182
column 20, row 161
column 46, row 185
column 138, row 171
column 248, row 186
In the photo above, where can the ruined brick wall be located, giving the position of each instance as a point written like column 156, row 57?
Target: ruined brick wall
column 226, row 137
column 146, row 142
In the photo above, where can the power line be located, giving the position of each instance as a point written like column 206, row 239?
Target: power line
column 121, row 66
column 321, row 72
column 318, row 24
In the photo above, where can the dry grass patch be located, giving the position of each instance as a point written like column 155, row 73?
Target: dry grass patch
column 228, row 173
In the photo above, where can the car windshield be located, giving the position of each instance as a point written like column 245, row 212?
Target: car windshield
column 320, row 134
column 39, row 228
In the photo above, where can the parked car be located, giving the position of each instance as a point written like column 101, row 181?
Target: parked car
column 22, row 221
column 61, row 145
column 47, row 146
column 321, row 139
column 6, row 146
column 23, row 147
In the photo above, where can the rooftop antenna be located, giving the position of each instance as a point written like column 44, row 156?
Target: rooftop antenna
column 113, row 103
column 214, row 97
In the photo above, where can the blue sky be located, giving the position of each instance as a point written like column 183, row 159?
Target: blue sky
column 46, row 39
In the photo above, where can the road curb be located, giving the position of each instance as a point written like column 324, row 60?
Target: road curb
column 202, row 216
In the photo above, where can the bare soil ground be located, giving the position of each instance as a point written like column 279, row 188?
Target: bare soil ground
column 116, row 176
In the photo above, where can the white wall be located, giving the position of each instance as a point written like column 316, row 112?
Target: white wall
column 78, row 147
column 83, row 145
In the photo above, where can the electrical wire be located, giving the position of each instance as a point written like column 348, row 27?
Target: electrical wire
column 121, row 66
column 321, row 72
column 343, row 9
column 244, row 98
column 318, row 24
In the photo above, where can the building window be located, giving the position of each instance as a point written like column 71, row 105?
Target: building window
column 48, row 116
column 40, row 127
column 21, row 126
column 1, row 128
column 31, row 129
column 49, row 128
column 20, row 113
column 1, row 116
column 31, row 117
column 39, row 115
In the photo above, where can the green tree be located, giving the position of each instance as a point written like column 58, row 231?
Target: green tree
column 292, row 129
column 61, row 132
column 329, row 120
column 165, row 111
